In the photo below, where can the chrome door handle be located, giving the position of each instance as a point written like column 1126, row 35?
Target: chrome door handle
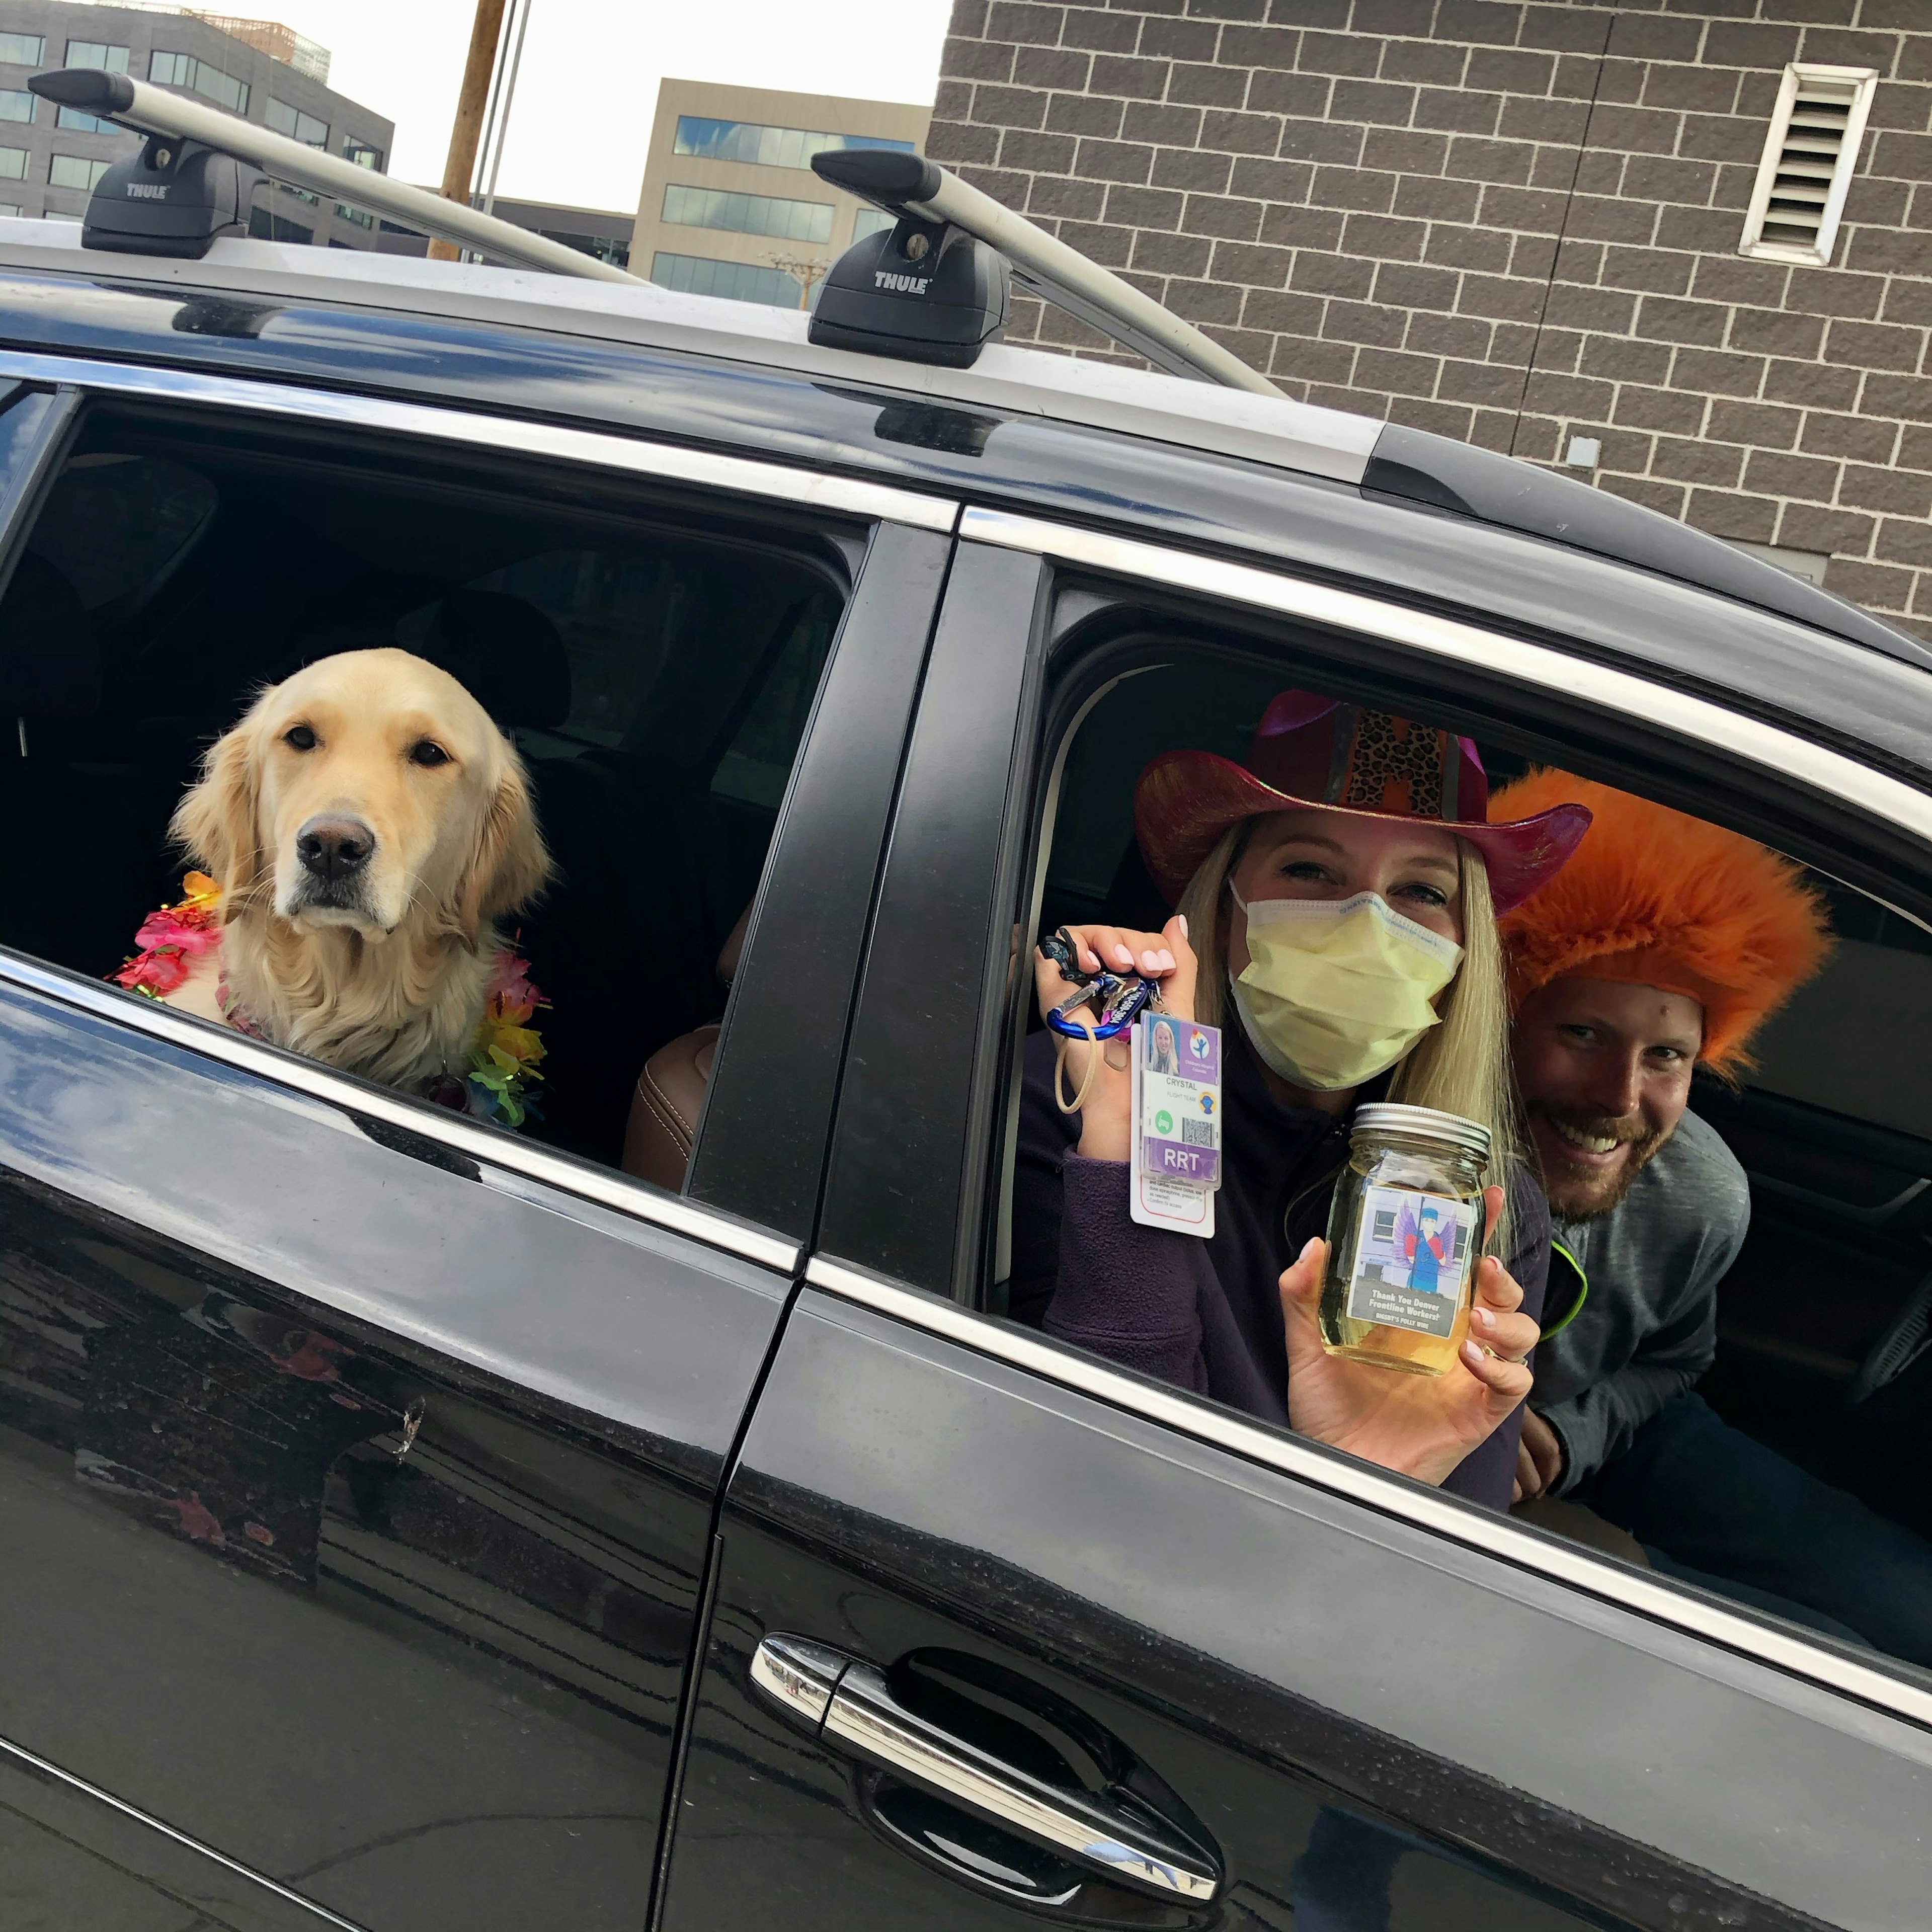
column 850, row 1703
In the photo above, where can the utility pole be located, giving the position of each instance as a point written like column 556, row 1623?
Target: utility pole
column 806, row 269
column 459, row 170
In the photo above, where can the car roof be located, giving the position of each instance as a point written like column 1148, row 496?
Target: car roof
column 1273, row 429
column 486, row 341
column 1389, row 459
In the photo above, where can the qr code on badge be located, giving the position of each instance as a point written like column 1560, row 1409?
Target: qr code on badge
column 1197, row 1133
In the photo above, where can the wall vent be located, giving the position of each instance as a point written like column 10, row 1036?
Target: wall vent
column 1816, row 130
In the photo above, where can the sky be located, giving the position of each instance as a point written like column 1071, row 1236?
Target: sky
column 587, row 88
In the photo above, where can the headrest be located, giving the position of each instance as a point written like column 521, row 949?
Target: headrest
column 49, row 667
column 505, row 652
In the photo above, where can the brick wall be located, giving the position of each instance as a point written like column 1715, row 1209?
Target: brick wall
column 1510, row 224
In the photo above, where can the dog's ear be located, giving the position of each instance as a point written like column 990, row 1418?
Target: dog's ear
column 218, row 822
column 510, row 865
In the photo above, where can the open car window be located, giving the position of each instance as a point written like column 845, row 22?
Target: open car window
column 654, row 667
column 1808, row 1356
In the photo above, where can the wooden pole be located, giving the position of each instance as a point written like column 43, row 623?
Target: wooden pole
column 459, row 170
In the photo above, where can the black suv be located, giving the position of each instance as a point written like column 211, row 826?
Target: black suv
column 651, row 1518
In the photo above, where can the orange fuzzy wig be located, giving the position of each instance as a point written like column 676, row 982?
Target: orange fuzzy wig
column 1656, row 898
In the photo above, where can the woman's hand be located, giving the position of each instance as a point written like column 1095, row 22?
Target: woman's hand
column 1106, row 1125
column 1419, row 1426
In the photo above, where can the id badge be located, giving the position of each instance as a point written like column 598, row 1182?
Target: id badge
column 1179, row 1110
column 1176, row 1103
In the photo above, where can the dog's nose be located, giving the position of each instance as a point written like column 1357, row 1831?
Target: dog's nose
column 332, row 848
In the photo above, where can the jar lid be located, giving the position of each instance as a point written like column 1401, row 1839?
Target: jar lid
column 1428, row 1124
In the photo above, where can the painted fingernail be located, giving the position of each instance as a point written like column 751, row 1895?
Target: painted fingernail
column 1482, row 1317
column 1166, row 959
column 1150, row 961
column 1122, row 957
column 1183, row 919
column 1472, row 1354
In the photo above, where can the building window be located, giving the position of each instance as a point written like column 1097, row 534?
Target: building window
column 766, row 147
column 1816, row 130
column 615, row 249
column 355, row 217
column 362, row 153
column 297, row 125
column 168, row 69
column 748, row 214
column 870, row 221
column 13, row 164
column 9, row 208
column 16, row 104
column 72, row 119
column 22, row 50
column 735, row 281
column 313, row 200
column 97, row 53
column 75, row 171
column 266, row 225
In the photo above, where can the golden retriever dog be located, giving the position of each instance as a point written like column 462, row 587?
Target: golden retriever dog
column 368, row 824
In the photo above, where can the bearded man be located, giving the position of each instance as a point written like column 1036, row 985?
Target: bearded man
column 1663, row 945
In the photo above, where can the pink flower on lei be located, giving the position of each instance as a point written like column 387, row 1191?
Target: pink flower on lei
column 172, row 937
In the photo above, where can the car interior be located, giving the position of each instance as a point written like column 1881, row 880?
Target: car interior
column 656, row 674
column 1825, row 1344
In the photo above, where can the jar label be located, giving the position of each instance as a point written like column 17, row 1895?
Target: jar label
column 1413, row 1252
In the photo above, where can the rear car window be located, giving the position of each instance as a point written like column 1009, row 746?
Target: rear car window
column 655, row 670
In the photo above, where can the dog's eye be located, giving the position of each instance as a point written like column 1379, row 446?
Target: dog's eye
column 299, row 738
column 428, row 751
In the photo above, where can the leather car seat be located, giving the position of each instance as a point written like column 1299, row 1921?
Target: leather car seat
column 670, row 1095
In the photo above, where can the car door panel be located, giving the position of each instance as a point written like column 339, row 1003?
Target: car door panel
column 363, row 1498
column 1367, row 1718
column 109, row 1871
column 1269, row 1651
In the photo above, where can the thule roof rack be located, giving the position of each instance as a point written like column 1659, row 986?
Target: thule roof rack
column 161, row 171
column 922, row 197
column 131, row 210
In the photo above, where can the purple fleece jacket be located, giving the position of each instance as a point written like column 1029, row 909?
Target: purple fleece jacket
column 1206, row 1315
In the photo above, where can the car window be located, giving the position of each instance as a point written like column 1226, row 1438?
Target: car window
column 654, row 670
column 1732, row 1362
column 1841, row 1042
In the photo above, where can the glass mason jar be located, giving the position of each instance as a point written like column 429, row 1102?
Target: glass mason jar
column 1404, row 1235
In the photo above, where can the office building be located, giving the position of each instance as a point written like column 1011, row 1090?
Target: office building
column 731, row 206
column 1684, row 251
column 600, row 231
column 50, row 158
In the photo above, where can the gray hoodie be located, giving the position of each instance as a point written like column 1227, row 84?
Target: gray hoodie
column 1648, row 1327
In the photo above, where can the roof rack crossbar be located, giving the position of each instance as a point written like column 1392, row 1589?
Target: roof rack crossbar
column 145, row 109
column 903, row 184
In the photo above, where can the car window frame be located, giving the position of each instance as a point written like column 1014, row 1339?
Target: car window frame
column 1619, row 713
column 732, row 482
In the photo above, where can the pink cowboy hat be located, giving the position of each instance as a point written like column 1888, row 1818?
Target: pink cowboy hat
column 1314, row 751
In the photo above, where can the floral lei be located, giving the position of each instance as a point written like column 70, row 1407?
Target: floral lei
column 503, row 1052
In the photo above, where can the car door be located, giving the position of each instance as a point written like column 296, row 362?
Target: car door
column 1002, row 1633
column 358, row 1460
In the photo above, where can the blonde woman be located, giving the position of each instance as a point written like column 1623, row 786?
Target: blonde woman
column 1337, row 901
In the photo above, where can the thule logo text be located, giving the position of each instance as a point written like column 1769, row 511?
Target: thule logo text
column 903, row 285
column 147, row 191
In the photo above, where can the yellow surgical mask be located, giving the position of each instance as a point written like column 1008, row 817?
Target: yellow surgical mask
column 1336, row 991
